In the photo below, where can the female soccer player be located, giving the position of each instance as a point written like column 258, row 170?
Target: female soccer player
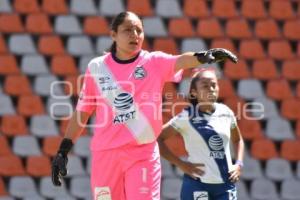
column 121, row 87
column 207, row 127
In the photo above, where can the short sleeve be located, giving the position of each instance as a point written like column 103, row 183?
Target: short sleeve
column 233, row 122
column 87, row 98
column 178, row 122
column 165, row 64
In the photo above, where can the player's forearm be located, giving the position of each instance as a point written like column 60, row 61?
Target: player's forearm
column 167, row 154
column 187, row 60
column 239, row 149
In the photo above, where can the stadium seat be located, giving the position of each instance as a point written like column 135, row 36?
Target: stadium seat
column 83, row 8
column 291, row 69
column 111, row 8
column 154, row 27
column 252, row 169
column 47, row 85
column 84, row 60
column 50, row 45
column 281, row 10
column 171, row 187
column 280, row 50
column 55, row 7
column 297, row 129
column 14, row 125
column 11, row 165
column 75, row 166
column 63, row 65
column 278, row 89
column 59, row 108
column 79, row 45
column 6, row 198
column 8, row 64
column 242, row 190
column 6, row 105
column 103, row 44
column 209, row 28
column 167, row 45
column 290, row 150
column 224, row 9
column 224, row 43
column 4, row 150
column 290, row 189
column 226, row 88
column 238, row 28
column 278, row 129
column 24, row 146
column 141, row 8
column 34, row 65
column 16, row 85
column 38, row 166
column 11, row 23
column 3, row 191
column 290, row 108
column 181, row 27
column 26, row 6
column 250, row 129
column 67, row 25
column 21, row 44
column 264, row 69
column 95, row 26
column 29, row 105
column 168, row 8
column 262, row 188
column 291, row 29
column 267, row 29
column 51, row 145
column 264, row 108
column 263, row 149
column 183, row 87
column 278, row 169
column 237, row 71
column 82, row 146
column 5, row 6
column 43, row 126
column 250, row 89
column 298, row 169
column 193, row 44
column 48, row 190
column 251, row 49
column 195, row 9
column 235, row 103
column 22, row 186
column 38, row 23
column 3, row 47
column 72, row 86
column 253, row 9
column 80, row 187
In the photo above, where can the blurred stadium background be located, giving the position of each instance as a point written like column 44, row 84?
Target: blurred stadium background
column 43, row 41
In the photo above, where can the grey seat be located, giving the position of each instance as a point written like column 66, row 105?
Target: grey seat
column 22, row 186
column 82, row 146
column 171, row 187
column 184, row 86
column 6, row 105
column 35, row 198
column 75, row 166
column 262, row 189
column 7, row 198
column 168, row 8
column 5, row 6
column 84, row 61
column 290, row 189
column 103, row 43
column 250, row 89
column 59, row 108
column 278, row 169
column 193, row 44
column 67, row 25
column 111, row 7
column 80, row 7
column 298, row 170
column 252, row 169
column 279, row 129
column 154, row 27
column 48, row 190
column 242, row 192
column 26, row 146
column 79, row 45
column 34, row 65
column 21, row 44
column 166, row 168
column 80, row 187
column 43, row 126
column 46, row 85
column 269, row 108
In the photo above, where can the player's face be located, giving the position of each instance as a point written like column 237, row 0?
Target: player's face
column 129, row 37
column 207, row 88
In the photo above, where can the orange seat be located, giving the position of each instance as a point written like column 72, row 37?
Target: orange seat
column 280, row 50
column 195, row 9
column 236, row 104
column 278, row 89
column 3, row 48
column 169, row 89
column 11, row 165
column 11, row 23
column 291, row 29
column 95, row 25
column 252, row 49
column 8, row 64
column 38, row 166
column 267, row 29
column 167, row 45
column 264, row 69
column 38, row 23
column 238, row 28
column 51, row 145
column 174, row 105
column 290, row 108
column 250, row 129
column 226, row 88
column 224, row 9
column 14, row 125
column 281, row 10
column 291, row 69
column 63, row 65
column 176, row 145
column 181, row 27
column 5, row 148
column 29, row 105
column 263, row 149
column 290, row 150
column 253, row 9
column 26, row 6
column 16, row 85
column 141, row 7
column 146, row 45
column 55, row 7
column 50, row 45
column 3, row 191
column 236, row 71
column 72, row 86
column 297, row 129
column 223, row 43
column 209, row 28
column 298, row 89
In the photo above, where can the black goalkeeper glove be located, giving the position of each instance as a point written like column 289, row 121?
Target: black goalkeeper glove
column 215, row 55
column 59, row 163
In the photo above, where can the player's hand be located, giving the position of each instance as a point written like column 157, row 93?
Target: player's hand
column 59, row 168
column 216, row 55
column 235, row 174
column 192, row 169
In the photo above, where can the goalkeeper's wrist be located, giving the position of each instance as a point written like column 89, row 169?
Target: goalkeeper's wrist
column 201, row 57
column 65, row 146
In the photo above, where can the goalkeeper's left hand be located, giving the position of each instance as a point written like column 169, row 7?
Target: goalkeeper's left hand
column 215, row 55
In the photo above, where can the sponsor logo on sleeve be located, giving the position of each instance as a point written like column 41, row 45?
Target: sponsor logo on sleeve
column 102, row 193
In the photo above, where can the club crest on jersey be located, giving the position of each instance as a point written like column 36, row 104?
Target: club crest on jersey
column 123, row 104
column 139, row 73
